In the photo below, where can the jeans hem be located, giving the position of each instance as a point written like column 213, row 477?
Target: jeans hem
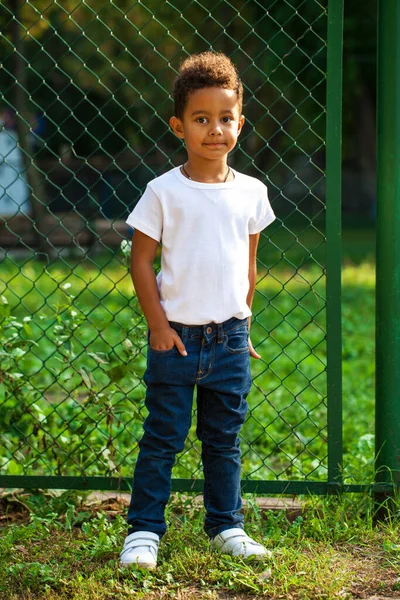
column 214, row 531
column 135, row 529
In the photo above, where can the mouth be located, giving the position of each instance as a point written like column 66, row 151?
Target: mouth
column 215, row 144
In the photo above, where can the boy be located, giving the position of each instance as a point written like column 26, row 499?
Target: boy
column 208, row 218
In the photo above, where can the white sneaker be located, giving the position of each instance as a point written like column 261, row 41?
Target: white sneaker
column 140, row 548
column 237, row 543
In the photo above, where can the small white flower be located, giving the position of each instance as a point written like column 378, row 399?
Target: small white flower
column 128, row 344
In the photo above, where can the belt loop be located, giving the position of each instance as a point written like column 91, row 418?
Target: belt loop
column 220, row 333
column 184, row 334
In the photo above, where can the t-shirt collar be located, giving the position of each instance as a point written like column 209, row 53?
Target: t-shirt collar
column 201, row 185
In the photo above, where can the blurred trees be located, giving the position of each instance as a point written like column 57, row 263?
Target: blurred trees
column 101, row 71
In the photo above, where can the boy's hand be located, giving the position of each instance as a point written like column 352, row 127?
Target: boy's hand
column 253, row 353
column 166, row 339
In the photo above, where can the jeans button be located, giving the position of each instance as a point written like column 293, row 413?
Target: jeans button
column 209, row 330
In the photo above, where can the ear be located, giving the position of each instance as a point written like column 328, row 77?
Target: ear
column 177, row 127
column 240, row 124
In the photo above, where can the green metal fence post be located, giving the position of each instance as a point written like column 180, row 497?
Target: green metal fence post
column 333, row 238
column 388, row 245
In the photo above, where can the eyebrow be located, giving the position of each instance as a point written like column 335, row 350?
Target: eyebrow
column 207, row 112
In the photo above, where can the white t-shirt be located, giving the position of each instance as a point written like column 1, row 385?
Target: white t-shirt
column 204, row 230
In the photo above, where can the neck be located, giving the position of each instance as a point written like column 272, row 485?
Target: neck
column 207, row 171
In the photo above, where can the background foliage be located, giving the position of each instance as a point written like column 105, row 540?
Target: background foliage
column 101, row 73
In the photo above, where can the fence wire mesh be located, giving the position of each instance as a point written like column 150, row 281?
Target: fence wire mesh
column 85, row 101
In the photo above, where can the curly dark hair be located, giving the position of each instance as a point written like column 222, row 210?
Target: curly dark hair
column 207, row 69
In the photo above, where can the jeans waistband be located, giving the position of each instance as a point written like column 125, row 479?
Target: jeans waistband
column 209, row 329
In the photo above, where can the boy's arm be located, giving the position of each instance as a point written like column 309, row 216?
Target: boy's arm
column 143, row 252
column 253, row 244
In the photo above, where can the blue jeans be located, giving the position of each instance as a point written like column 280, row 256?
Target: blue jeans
column 218, row 362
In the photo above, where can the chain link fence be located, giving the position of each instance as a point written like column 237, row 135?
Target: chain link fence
column 85, row 98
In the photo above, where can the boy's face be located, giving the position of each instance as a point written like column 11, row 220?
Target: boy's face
column 210, row 124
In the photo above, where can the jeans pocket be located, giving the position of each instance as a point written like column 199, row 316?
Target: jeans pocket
column 150, row 349
column 237, row 340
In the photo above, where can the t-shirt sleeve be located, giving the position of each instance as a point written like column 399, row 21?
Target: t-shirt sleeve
column 263, row 213
column 147, row 215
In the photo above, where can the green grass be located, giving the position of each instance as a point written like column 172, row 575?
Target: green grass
column 74, row 402
column 62, row 548
column 68, row 550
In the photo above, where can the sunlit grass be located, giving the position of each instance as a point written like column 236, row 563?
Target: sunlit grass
column 285, row 433
column 69, row 551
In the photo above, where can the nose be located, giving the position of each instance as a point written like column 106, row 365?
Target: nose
column 215, row 129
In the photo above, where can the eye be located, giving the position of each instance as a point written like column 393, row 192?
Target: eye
column 227, row 119
column 201, row 120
